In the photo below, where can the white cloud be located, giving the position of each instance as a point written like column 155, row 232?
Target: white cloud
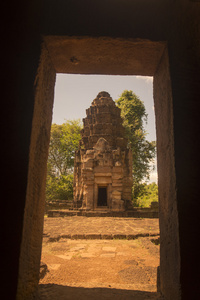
column 147, row 79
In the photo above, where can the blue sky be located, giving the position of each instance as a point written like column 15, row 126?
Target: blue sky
column 75, row 93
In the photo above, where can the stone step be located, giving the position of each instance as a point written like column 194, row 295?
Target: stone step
column 94, row 236
column 136, row 213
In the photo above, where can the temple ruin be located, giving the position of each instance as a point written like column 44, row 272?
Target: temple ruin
column 103, row 162
column 148, row 38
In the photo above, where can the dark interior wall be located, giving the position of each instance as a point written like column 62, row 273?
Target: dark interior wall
column 20, row 53
column 113, row 18
column 174, row 21
column 184, row 59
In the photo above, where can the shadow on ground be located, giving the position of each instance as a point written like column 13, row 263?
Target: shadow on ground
column 62, row 292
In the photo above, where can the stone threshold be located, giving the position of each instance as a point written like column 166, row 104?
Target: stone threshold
column 136, row 213
column 94, row 236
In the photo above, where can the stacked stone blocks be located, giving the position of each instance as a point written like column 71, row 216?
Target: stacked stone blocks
column 103, row 165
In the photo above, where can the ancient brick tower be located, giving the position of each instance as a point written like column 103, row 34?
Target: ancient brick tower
column 103, row 167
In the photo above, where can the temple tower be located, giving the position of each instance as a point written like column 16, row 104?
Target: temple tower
column 103, row 163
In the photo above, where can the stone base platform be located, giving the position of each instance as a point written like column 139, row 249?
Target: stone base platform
column 135, row 213
column 95, row 228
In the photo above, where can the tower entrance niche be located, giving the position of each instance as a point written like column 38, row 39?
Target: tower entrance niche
column 102, row 196
column 103, row 162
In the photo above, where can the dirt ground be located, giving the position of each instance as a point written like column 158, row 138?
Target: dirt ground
column 100, row 268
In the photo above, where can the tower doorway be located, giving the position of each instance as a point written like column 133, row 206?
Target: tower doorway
column 102, row 196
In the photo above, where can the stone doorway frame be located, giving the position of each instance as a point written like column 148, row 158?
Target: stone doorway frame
column 109, row 56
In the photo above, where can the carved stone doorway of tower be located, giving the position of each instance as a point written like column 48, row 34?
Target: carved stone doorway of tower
column 102, row 196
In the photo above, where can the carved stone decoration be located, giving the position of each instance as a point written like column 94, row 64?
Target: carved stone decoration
column 103, row 163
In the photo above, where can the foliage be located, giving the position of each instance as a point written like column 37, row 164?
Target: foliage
column 59, row 187
column 144, row 194
column 63, row 143
column 134, row 116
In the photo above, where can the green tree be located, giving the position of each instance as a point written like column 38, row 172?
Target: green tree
column 63, row 143
column 134, row 117
column 145, row 194
column 59, row 187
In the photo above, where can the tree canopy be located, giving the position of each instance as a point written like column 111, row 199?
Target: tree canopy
column 134, row 116
column 144, row 194
column 59, row 187
column 63, row 143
